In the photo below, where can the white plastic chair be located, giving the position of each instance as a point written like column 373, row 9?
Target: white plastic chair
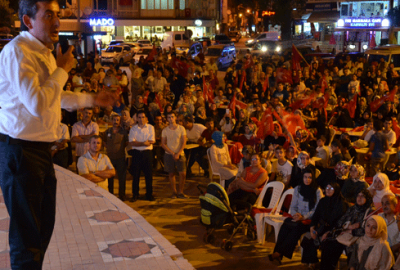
column 276, row 220
column 213, row 171
column 277, row 189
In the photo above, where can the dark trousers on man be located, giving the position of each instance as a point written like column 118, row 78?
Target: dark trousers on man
column 120, row 167
column 28, row 182
column 142, row 161
column 197, row 154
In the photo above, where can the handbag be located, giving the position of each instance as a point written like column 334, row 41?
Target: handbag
column 348, row 239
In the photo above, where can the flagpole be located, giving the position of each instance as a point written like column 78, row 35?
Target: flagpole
column 302, row 57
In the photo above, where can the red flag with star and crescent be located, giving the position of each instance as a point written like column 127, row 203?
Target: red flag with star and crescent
column 296, row 58
column 248, row 63
column 266, row 125
column 208, row 94
column 283, row 76
column 242, row 79
column 351, row 107
column 181, row 66
column 301, row 103
column 151, row 55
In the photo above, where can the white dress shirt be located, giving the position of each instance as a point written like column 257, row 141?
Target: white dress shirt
column 87, row 164
column 31, row 91
column 137, row 134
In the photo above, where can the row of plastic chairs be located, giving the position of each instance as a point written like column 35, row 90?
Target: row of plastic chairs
column 272, row 214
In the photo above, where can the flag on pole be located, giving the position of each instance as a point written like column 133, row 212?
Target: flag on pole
column 301, row 103
column 296, row 58
column 283, row 75
column 181, row 66
column 351, row 107
column 242, row 79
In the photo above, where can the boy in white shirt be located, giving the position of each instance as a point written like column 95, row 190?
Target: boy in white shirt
column 281, row 168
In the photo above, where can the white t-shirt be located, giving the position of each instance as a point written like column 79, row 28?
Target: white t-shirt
column 391, row 137
column 194, row 134
column 174, row 138
column 369, row 135
column 282, row 172
column 79, row 81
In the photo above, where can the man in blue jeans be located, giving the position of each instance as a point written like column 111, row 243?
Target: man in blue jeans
column 31, row 97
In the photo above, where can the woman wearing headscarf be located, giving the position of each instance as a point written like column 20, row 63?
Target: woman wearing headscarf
column 372, row 251
column 201, row 116
column 379, row 188
column 355, row 183
column 360, row 110
column 338, row 174
column 304, row 202
column 138, row 105
column 351, row 222
column 299, row 166
column 126, row 121
column 220, row 158
column 329, row 210
column 240, row 123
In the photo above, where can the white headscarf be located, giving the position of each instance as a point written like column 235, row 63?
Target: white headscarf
column 378, row 194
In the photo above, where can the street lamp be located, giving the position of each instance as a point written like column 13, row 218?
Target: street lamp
column 240, row 15
column 248, row 11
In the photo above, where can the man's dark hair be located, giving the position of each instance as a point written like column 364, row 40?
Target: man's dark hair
column 322, row 138
column 209, row 119
column 346, row 143
column 336, row 143
column 171, row 112
column 29, row 8
column 95, row 137
column 140, row 112
column 188, row 119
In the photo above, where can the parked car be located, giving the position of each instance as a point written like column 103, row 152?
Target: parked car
column 234, row 36
column 193, row 50
column 115, row 42
column 135, row 47
column 263, row 36
column 343, row 55
column 144, row 42
column 223, row 55
column 144, row 51
column 390, row 53
column 222, row 39
column 122, row 53
column 202, row 39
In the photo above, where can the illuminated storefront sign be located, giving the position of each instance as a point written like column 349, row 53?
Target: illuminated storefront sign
column 363, row 22
column 198, row 22
column 101, row 22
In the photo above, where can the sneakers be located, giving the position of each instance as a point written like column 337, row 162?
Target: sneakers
column 150, row 198
column 182, row 196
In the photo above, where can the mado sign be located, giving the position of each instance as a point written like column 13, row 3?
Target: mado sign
column 101, row 22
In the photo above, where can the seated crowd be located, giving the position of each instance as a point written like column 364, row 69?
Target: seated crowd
column 262, row 123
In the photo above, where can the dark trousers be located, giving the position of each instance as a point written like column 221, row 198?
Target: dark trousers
column 310, row 250
column 28, row 182
column 331, row 250
column 142, row 161
column 243, row 196
column 120, row 167
column 197, row 154
column 61, row 158
column 288, row 236
column 125, row 96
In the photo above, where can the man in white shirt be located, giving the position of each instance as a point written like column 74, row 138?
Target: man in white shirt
column 281, row 168
column 159, row 82
column 31, row 98
column 95, row 166
column 82, row 131
column 390, row 136
column 173, row 140
column 389, row 203
column 77, row 82
column 193, row 134
column 368, row 131
column 141, row 139
column 59, row 149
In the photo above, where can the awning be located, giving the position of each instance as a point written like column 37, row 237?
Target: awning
column 324, row 16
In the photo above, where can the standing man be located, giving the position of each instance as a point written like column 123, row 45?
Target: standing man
column 82, row 131
column 31, row 97
column 173, row 140
column 94, row 166
column 116, row 139
column 141, row 139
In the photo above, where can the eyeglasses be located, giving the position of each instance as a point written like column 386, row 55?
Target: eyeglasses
column 329, row 188
column 254, row 159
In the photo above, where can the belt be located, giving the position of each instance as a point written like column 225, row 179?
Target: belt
column 9, row 140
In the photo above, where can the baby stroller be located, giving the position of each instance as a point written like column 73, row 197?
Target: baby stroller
column 217, row 212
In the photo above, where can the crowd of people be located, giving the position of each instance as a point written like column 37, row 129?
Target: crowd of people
column 269, row 119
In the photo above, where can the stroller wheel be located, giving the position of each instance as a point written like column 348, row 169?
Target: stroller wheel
column 210, row 239
column 251, row 235
column 228, row 245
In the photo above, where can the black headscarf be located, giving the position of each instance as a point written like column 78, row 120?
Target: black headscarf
column 368, row 203
column 309, row 191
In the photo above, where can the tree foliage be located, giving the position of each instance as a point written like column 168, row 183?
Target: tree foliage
column 5, row 14
column 394, row 16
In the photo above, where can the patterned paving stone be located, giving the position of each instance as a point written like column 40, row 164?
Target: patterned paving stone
column 5, row 224
column 111, row 216
column 5, row 260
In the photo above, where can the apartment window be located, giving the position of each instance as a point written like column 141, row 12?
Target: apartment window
column 160, row 4
column 181, row 4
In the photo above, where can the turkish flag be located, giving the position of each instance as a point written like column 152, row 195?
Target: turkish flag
column 146, row 96
column 372, row 43
column 248, row 63
column 376, row 104
column 242, row 80
column 208, row 94
column 292, row 122
column 352, row 106
column 151, row 55
column 181, row 66
column 296, row 58
column 266, row 125
column 283, row 75
column 240, row 104
column 157, row 100
column 323, row 84
column 232, row 105
column 391, row 95
column 266, row 83
column 301, row 103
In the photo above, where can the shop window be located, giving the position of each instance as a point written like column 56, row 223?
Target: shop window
column 143, row 4
column 395, row 60
column 343, row 10
column 171, row 4
column 150, row 4
column 164, row 4
column 178, row 37
column 181, row 4
column 156, row 4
